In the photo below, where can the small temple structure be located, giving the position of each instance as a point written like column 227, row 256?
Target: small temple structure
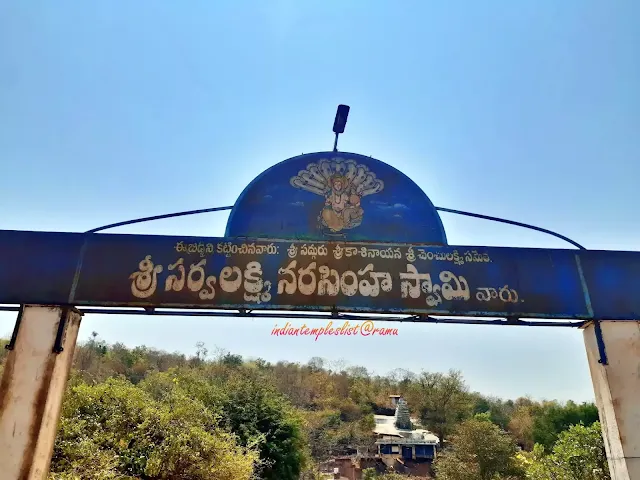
column 399, row 440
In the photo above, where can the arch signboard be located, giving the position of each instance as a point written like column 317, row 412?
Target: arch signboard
column 325, row 232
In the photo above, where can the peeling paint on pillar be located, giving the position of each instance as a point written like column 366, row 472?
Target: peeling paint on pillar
column 617, row 390
column 53, row 407
column 31, row 392
column 37, row 413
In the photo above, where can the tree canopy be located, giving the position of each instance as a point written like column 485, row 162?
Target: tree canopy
column 145, row 414
column 578, row 454
column 116, row 430
column 480, row 450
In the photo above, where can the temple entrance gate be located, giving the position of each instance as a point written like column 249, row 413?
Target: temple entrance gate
column 328, row 235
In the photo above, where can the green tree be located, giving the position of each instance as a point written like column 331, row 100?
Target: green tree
column 579, row 454
column 499, row 410
column 321, row 427
column 369, row 474
column 552, row 418
column 327, row 406
column 247, row 405
column 254, row 409
column 232, row 360
column 521, row 426
column 479, row 450
column 444, row 401
column 115, row 430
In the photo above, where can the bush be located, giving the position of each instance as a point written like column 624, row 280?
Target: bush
column 115, row 430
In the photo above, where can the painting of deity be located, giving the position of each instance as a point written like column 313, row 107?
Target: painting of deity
column 342, row 184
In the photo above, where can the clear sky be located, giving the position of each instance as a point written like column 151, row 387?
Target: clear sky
column 528, row 110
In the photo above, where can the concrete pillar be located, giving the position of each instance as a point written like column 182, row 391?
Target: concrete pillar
column 616, row 382
column 31, row 390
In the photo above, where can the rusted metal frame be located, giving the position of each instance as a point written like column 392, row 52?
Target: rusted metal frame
column 64, row 315
column 57, row 346
column 16, row 328
column 600, row 342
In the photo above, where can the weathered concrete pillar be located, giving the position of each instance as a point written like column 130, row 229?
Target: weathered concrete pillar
column 33, row 383
column 616, row 381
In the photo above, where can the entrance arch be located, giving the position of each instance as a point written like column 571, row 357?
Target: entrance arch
column 323, row 235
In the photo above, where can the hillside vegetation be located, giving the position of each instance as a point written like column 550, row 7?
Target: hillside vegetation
column 141, row 413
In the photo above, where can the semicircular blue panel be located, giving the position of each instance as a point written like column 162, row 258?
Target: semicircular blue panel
column 335, row 196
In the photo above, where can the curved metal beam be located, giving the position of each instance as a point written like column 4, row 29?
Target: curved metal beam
column 512, row 222
column 441, row 209
column 159, row 217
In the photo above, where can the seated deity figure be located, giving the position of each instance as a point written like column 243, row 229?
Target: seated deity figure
column 343, row 185
column 342, row 208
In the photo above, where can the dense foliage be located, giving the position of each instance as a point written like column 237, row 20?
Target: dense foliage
column 141, row 413
column 480, row 450
column 579, row 454
column 116, row 430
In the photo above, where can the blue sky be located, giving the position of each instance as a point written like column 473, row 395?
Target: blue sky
column 528, row 110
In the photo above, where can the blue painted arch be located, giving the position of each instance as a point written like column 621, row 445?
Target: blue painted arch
column 336, row 196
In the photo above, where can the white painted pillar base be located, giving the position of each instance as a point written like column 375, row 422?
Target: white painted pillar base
column 31, row 391
column 617, row 389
